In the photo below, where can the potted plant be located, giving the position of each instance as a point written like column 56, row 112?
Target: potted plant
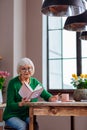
column 80, row 84
column 3, row 75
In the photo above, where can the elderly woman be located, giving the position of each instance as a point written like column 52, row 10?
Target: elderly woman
column 16, row 113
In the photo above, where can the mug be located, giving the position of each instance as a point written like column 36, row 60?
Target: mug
column 65, row 97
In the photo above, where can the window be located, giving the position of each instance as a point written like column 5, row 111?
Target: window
column 61, row 54
column 64, row 54
column 84, row 56
column 84, row 52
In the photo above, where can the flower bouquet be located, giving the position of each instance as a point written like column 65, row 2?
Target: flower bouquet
column 3, row 75
column 79, row 82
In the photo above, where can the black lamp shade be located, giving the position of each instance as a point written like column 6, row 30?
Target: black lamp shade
column 62, row 7
column 76, row 23
column 83, row 35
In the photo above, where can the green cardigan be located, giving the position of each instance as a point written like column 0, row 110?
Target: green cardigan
column 13, row 98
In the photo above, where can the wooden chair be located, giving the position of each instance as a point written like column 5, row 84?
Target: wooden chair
column 8, row 128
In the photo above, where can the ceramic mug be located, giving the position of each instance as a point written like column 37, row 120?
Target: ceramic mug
column 65, row 97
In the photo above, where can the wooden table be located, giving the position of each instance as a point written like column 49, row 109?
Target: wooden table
column 2, row 106
column 56, row 109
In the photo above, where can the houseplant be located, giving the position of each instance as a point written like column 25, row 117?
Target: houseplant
column 3, row 75
column 80, row 84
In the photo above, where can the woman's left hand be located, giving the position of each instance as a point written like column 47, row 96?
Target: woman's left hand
column 54, row 98
column 23, row 101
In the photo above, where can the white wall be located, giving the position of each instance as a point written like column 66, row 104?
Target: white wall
column 19, row 33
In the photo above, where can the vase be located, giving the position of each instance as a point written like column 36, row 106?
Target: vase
column 80, row 94
column 1, row 98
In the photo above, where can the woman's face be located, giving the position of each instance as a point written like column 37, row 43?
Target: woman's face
column 26, row 71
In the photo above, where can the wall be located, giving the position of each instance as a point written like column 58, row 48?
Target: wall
column 21, row 35
column 12, row 33
column 34, row 35
column 6, row 35
column 19, row 32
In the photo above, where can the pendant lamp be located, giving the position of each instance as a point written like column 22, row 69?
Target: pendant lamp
column 83, row 35
column 62, row 7
column 76, row 23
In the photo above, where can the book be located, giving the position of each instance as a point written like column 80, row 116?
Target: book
column 27, row 92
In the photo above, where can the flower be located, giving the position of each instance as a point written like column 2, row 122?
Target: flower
column 79, row 82
column 3, row 75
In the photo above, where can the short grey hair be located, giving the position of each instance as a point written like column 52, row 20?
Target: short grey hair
column 25, row 61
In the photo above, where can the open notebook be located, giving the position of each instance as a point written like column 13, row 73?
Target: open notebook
column 27, row 92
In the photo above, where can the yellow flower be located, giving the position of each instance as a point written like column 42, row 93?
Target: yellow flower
column 75, row 76
column 85, row 75
column 82, row 75
column 79, row 82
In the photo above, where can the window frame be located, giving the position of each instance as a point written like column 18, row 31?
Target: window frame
column 79, row 64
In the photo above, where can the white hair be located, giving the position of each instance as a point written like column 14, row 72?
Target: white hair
column 26, row 61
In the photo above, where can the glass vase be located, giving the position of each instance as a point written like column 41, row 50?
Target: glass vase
column 1, row 97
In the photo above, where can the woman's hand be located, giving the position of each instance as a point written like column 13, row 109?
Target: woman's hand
column 23, row 101
column 54, row 98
